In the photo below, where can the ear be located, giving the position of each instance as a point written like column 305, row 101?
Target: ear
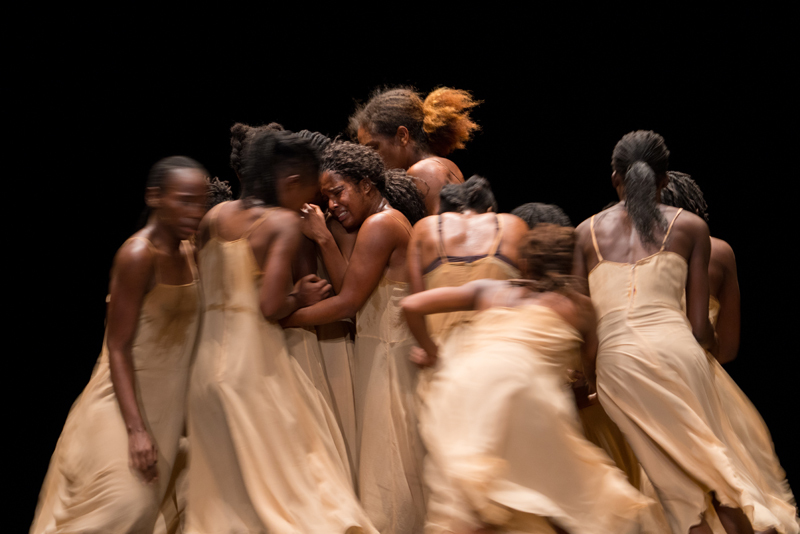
column 616, row 179
column 293, row 180
column 365, row 185
column 152, row 197
column 402, row 137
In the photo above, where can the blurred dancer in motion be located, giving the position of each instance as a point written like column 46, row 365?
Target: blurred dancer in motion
column 501, row 427
column 653, row 378
column 112, row 464
column 261, row 458
column 723, row 310
column 390, row 451
column 535, row 213
column 415, row 134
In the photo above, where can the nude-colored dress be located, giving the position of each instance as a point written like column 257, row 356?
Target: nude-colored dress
column 654, row 381
column 89, row 487
column 390, row 449
column 262, row 459
column 502, row 427
column 747, row 423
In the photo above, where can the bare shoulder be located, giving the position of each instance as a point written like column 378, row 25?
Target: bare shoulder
column 722, row 252
column 434, row 167
column 134, row 254
column 513, row 223
column 425, row 226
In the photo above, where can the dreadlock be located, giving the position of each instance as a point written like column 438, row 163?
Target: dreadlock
column 683, row 192
column 218, row 191
column 404, row 196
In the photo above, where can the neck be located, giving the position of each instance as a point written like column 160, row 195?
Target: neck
column 378, row 203
column 417, row 154
column 162, row 237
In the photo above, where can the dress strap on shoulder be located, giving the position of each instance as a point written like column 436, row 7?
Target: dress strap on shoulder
column 212, row 219
column 594, row 240
column 188, row 249
column 405, row 227
column 669, row 229
column 153, row 250
column 442, row 254
column 257, row 223
column 498, row 236
column 446, row 168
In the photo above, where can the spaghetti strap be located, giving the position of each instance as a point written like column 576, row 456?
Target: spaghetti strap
column 447, row 169
column 442, row 255
column 498, row 236
column 187, row 249
column 594, row 240
column 153, row 250
column 213, row 214
column 399, row 222
column 257, row 223
column 669, row 229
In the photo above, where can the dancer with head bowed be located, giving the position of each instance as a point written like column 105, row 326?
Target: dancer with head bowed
column 723, row 311
column 111, row 467
column 415, row 134
column 535, row 213
column 262, row 458
column 653, row 377
column 454, row 248
column 389, row 449
column 501, row 427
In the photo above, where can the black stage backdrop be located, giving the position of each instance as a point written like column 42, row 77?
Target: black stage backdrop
column 557, row 95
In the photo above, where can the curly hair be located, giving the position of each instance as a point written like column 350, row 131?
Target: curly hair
column 355, row 163
column 535, row 213
column 217, row 191
column 441, row 123
column 404, row 196
column 640, row 157
column 683, row 192
column 547, row 251
column 265, row 153
column 163, row 167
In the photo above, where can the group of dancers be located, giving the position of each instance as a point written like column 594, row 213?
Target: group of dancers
column 362, row 343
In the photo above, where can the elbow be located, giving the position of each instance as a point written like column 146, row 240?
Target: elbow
column 727, row 354
column 272, row 313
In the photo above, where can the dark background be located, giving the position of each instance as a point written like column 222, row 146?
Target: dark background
column 101, row 104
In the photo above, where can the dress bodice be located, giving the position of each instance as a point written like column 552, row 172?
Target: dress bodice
column 381, row 316
column 657, row 281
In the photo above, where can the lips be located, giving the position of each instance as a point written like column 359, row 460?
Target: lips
column 342, row 215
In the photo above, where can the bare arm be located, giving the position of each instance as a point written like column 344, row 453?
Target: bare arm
column 697, row 285
column 132, row 276
column 414, row 258
column 729, row 320
column 376, row 241
column 277, row 301
column 578, row 261
column 315, row 228
column 439, row 300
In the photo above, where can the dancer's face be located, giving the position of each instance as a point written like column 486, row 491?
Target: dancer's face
column 181, row 202
column 390, row 149
column 346, row 200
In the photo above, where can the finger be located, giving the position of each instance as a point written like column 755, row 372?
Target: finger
column 310, row 278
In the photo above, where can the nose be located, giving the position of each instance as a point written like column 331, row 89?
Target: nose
column 332, row 204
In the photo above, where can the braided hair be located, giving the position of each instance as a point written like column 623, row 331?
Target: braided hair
column 241, row 134
column 404, row 196
column 267, row 152
column 440, row 124
column 640, row 157
column 683, row 192
column 535, row 213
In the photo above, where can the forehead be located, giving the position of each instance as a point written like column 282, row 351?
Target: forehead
column 364, row 136
column 330, row 180
column 186, row 181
